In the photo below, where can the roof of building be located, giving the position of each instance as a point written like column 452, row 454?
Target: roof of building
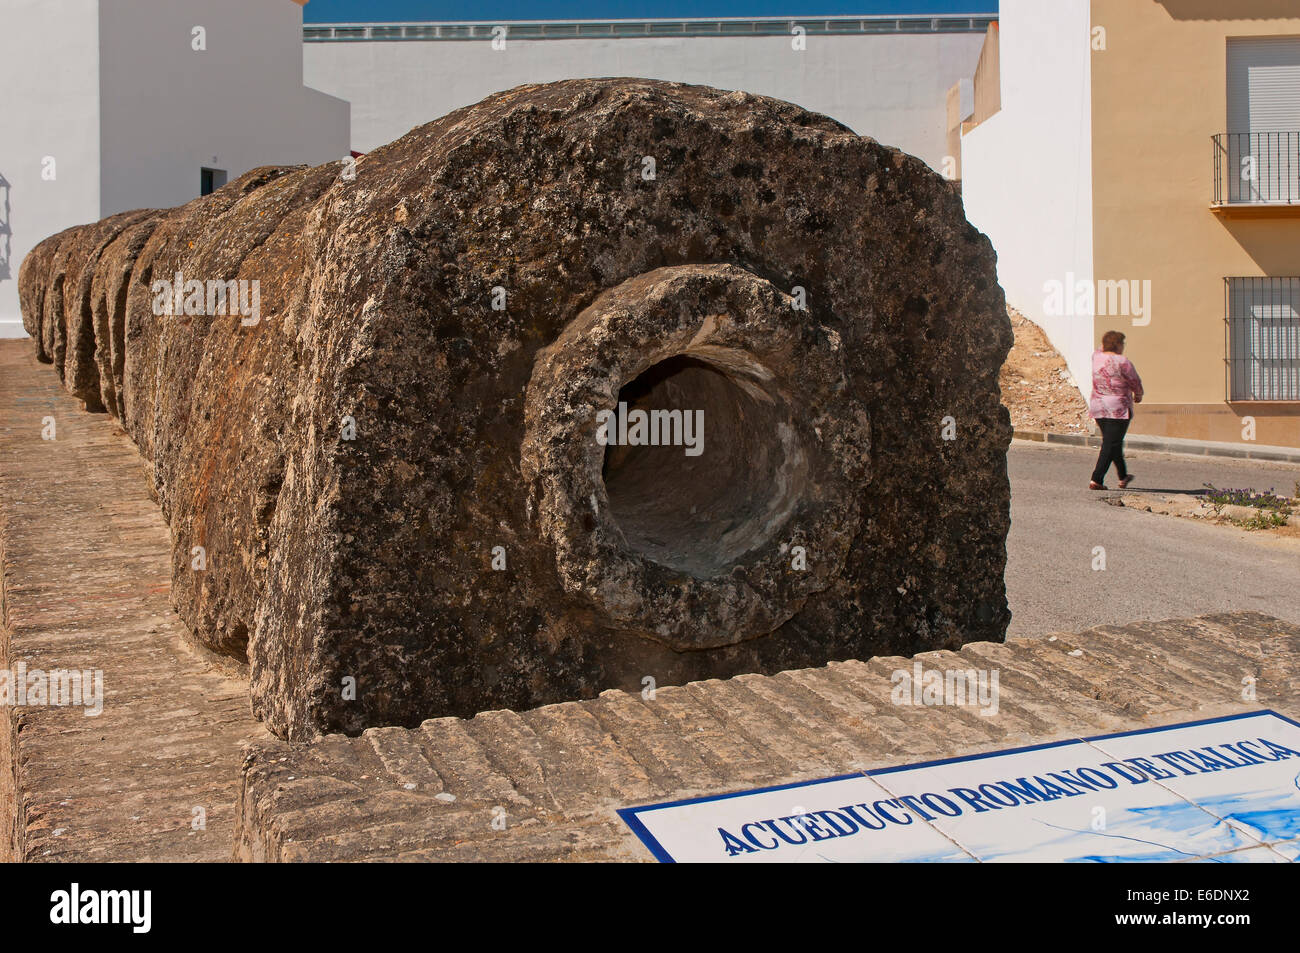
column 615, row 29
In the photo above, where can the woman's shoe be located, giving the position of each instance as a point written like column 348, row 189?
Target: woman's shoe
column 1123, row 484
column 1094, row 485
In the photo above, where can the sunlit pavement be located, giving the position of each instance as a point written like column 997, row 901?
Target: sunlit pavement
column 1157, row 567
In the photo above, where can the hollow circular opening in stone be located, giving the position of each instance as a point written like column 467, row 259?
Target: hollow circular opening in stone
column 702, row 463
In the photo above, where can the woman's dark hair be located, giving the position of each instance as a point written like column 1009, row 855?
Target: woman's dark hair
column 1111, row 341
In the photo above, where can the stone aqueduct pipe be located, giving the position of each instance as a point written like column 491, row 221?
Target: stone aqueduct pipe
column 387, row 492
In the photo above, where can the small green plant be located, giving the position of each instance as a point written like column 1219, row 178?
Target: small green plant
column 1264, row 519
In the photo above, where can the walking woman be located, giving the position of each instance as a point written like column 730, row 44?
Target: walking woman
column 1116, row 387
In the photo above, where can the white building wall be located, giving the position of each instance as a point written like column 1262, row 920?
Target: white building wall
column 1027, row 171
column 131, row 112
column 170, row 110
column 49, row 75
column 891, row 88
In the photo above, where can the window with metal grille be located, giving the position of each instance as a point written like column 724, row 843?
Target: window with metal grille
column 1263, row 331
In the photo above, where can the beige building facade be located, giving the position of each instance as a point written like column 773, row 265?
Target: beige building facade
column 1184, row 165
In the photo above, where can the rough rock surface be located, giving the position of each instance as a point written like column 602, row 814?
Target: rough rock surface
column 35, row 280
column 179, row 234
column 394, row 474
column 81, row 362
column 67, row 329
column 219, row 459
column 1037, row 387
column 108, row 290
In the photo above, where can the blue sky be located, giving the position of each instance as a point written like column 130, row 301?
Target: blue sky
column 365, row 11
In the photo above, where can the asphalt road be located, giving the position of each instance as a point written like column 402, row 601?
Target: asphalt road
column 1157, row 567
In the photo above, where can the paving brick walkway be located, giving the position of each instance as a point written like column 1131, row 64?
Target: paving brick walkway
column 84, row 552
column 558, row 773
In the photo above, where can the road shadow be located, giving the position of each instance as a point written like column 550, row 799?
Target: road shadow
column 1156, row 489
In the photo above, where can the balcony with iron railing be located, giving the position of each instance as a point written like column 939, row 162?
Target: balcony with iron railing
column 1257, row 173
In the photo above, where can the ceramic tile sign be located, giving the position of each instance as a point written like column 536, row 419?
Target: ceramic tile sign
column 1225, row 790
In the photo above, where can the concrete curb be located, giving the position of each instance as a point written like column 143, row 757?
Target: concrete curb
column 1203, row 448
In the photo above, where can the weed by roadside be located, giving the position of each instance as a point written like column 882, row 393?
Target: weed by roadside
column 1267, row 510
column 1264, row 519
column 1247, row 497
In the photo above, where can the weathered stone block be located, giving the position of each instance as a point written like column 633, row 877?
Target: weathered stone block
column 396, row 473
column 81, row 367
column 220, row 459
column 112, row 275
column 33, row 286
column 180, row 233
column 67, row 336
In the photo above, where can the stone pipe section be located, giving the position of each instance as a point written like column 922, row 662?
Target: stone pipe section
column 595, row 384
